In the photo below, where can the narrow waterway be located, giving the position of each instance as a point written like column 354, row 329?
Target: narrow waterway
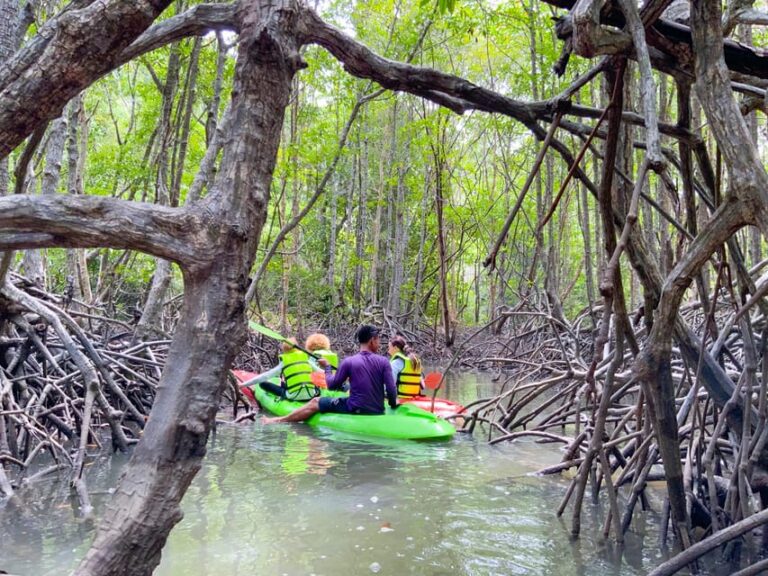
column 290, row 499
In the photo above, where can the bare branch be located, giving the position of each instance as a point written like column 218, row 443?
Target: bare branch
column 753, row 17
column 647, row 85
column 589, row 36
column 197, row 21
column 444, row 89
column 82, row 45
column 89, row 222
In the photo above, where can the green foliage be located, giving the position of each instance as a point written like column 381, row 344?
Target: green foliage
column 442, row 6
column 378, row 205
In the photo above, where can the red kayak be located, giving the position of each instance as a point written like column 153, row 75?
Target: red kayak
column 242, row 376
column 442, row 407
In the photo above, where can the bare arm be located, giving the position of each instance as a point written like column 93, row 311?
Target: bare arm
column 264, row 376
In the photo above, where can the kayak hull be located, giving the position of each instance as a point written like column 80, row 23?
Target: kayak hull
column 406, row 422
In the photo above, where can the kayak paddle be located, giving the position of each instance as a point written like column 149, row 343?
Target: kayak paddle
column 318, row 379
column 269, row 333
column 433, row 380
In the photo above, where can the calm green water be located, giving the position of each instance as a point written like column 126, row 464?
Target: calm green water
column 289, row 499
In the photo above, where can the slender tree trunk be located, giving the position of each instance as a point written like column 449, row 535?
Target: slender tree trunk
column 586, row 231
column 212, row 118
column 76, row 263
column 376, row 240
column 754, row 241
column 54, row 155
column 331, row 276
column 186, row 122
column 543, row 195
column 153, row 306
column 33, row 261
column 288, row 259
column 400, row 236
column 416, row 313
column 441, row 234
column 360, row 217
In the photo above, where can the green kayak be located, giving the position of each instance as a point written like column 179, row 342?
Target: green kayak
column 407, row 422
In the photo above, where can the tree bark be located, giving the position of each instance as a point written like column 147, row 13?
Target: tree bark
column 77, row 149
column 146, row 504
column 8, row 14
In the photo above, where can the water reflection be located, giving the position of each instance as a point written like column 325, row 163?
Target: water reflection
column 289, row 499
column 328, row 504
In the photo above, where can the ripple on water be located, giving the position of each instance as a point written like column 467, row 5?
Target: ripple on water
column 296, row 500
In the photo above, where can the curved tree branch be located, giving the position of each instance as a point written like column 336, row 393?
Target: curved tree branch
column 91, row 221
column 80, row 47
column 447, row 90
column 671, row 38
column 197, row 21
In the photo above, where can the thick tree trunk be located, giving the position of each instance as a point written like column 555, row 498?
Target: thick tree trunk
column 146, row 504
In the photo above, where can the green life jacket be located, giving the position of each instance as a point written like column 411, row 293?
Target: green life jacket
column 409, row 379
column 296, row 375
column 331, row 357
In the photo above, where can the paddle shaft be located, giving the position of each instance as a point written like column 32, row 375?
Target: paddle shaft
column 269, row 333
column 430, row 383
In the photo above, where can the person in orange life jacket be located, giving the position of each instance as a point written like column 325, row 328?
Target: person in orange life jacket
column 406, row 368
column 370, row 378
column 294, row 369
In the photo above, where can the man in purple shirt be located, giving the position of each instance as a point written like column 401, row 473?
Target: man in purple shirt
column 369, row 375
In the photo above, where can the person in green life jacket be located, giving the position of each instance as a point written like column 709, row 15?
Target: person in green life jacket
column 406, row 368
column 294, row 369
column 370, row 380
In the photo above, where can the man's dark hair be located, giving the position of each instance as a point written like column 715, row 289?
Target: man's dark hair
column 366, row 332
